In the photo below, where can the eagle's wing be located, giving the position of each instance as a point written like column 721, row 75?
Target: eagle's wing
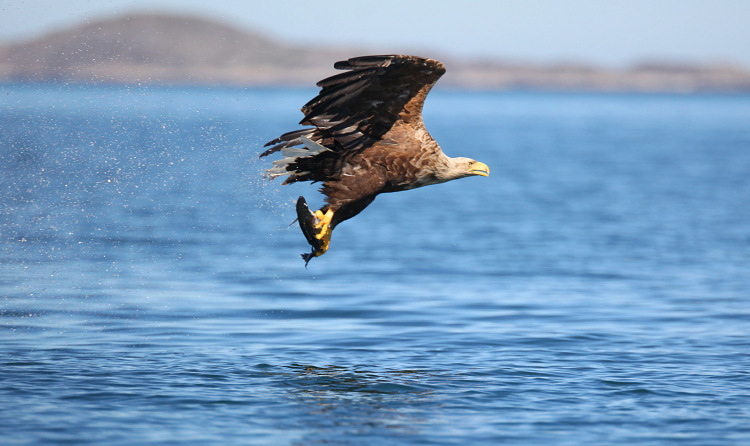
column 356, row 108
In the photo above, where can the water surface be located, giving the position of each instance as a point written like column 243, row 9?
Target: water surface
column 592, row 290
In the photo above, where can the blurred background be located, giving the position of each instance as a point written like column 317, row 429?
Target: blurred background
column 577, row 44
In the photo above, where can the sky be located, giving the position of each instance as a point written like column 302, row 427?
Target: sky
column 615, row 33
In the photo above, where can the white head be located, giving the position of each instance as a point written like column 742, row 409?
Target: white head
column 461, row 167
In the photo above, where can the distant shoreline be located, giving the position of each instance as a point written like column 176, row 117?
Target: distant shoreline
column 188, row 51
column 312, row 89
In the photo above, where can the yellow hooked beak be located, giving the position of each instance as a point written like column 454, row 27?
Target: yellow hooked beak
column 478, row 168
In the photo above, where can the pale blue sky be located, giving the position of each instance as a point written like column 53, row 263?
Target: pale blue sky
column 606, row 32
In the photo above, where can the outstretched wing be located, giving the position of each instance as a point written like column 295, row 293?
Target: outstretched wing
column 356, row 108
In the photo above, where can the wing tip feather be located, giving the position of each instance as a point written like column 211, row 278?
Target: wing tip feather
column 335, row 91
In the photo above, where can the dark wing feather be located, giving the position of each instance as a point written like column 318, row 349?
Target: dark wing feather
column 356, row 108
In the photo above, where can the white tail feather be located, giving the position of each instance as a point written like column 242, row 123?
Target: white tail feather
column 291, row 154
column 312, row 146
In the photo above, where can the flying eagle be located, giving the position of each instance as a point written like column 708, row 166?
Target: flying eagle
column 366, row 137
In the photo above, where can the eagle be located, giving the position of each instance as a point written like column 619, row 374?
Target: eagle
column 364, row 136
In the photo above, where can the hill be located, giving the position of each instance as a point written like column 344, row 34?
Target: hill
column 160, row 49
column 169, row 49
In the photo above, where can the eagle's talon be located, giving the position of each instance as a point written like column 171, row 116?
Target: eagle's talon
column 323, row 223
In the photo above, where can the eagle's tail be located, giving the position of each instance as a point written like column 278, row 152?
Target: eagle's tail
column 300, row 163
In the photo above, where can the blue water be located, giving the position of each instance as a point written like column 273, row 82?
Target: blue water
column 592, row 290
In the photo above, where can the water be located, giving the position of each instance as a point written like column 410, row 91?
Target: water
column 592, row 290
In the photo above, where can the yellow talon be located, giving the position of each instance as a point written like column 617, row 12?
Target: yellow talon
column 324, row 220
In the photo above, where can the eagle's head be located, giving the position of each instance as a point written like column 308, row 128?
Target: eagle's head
column 464, row 167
